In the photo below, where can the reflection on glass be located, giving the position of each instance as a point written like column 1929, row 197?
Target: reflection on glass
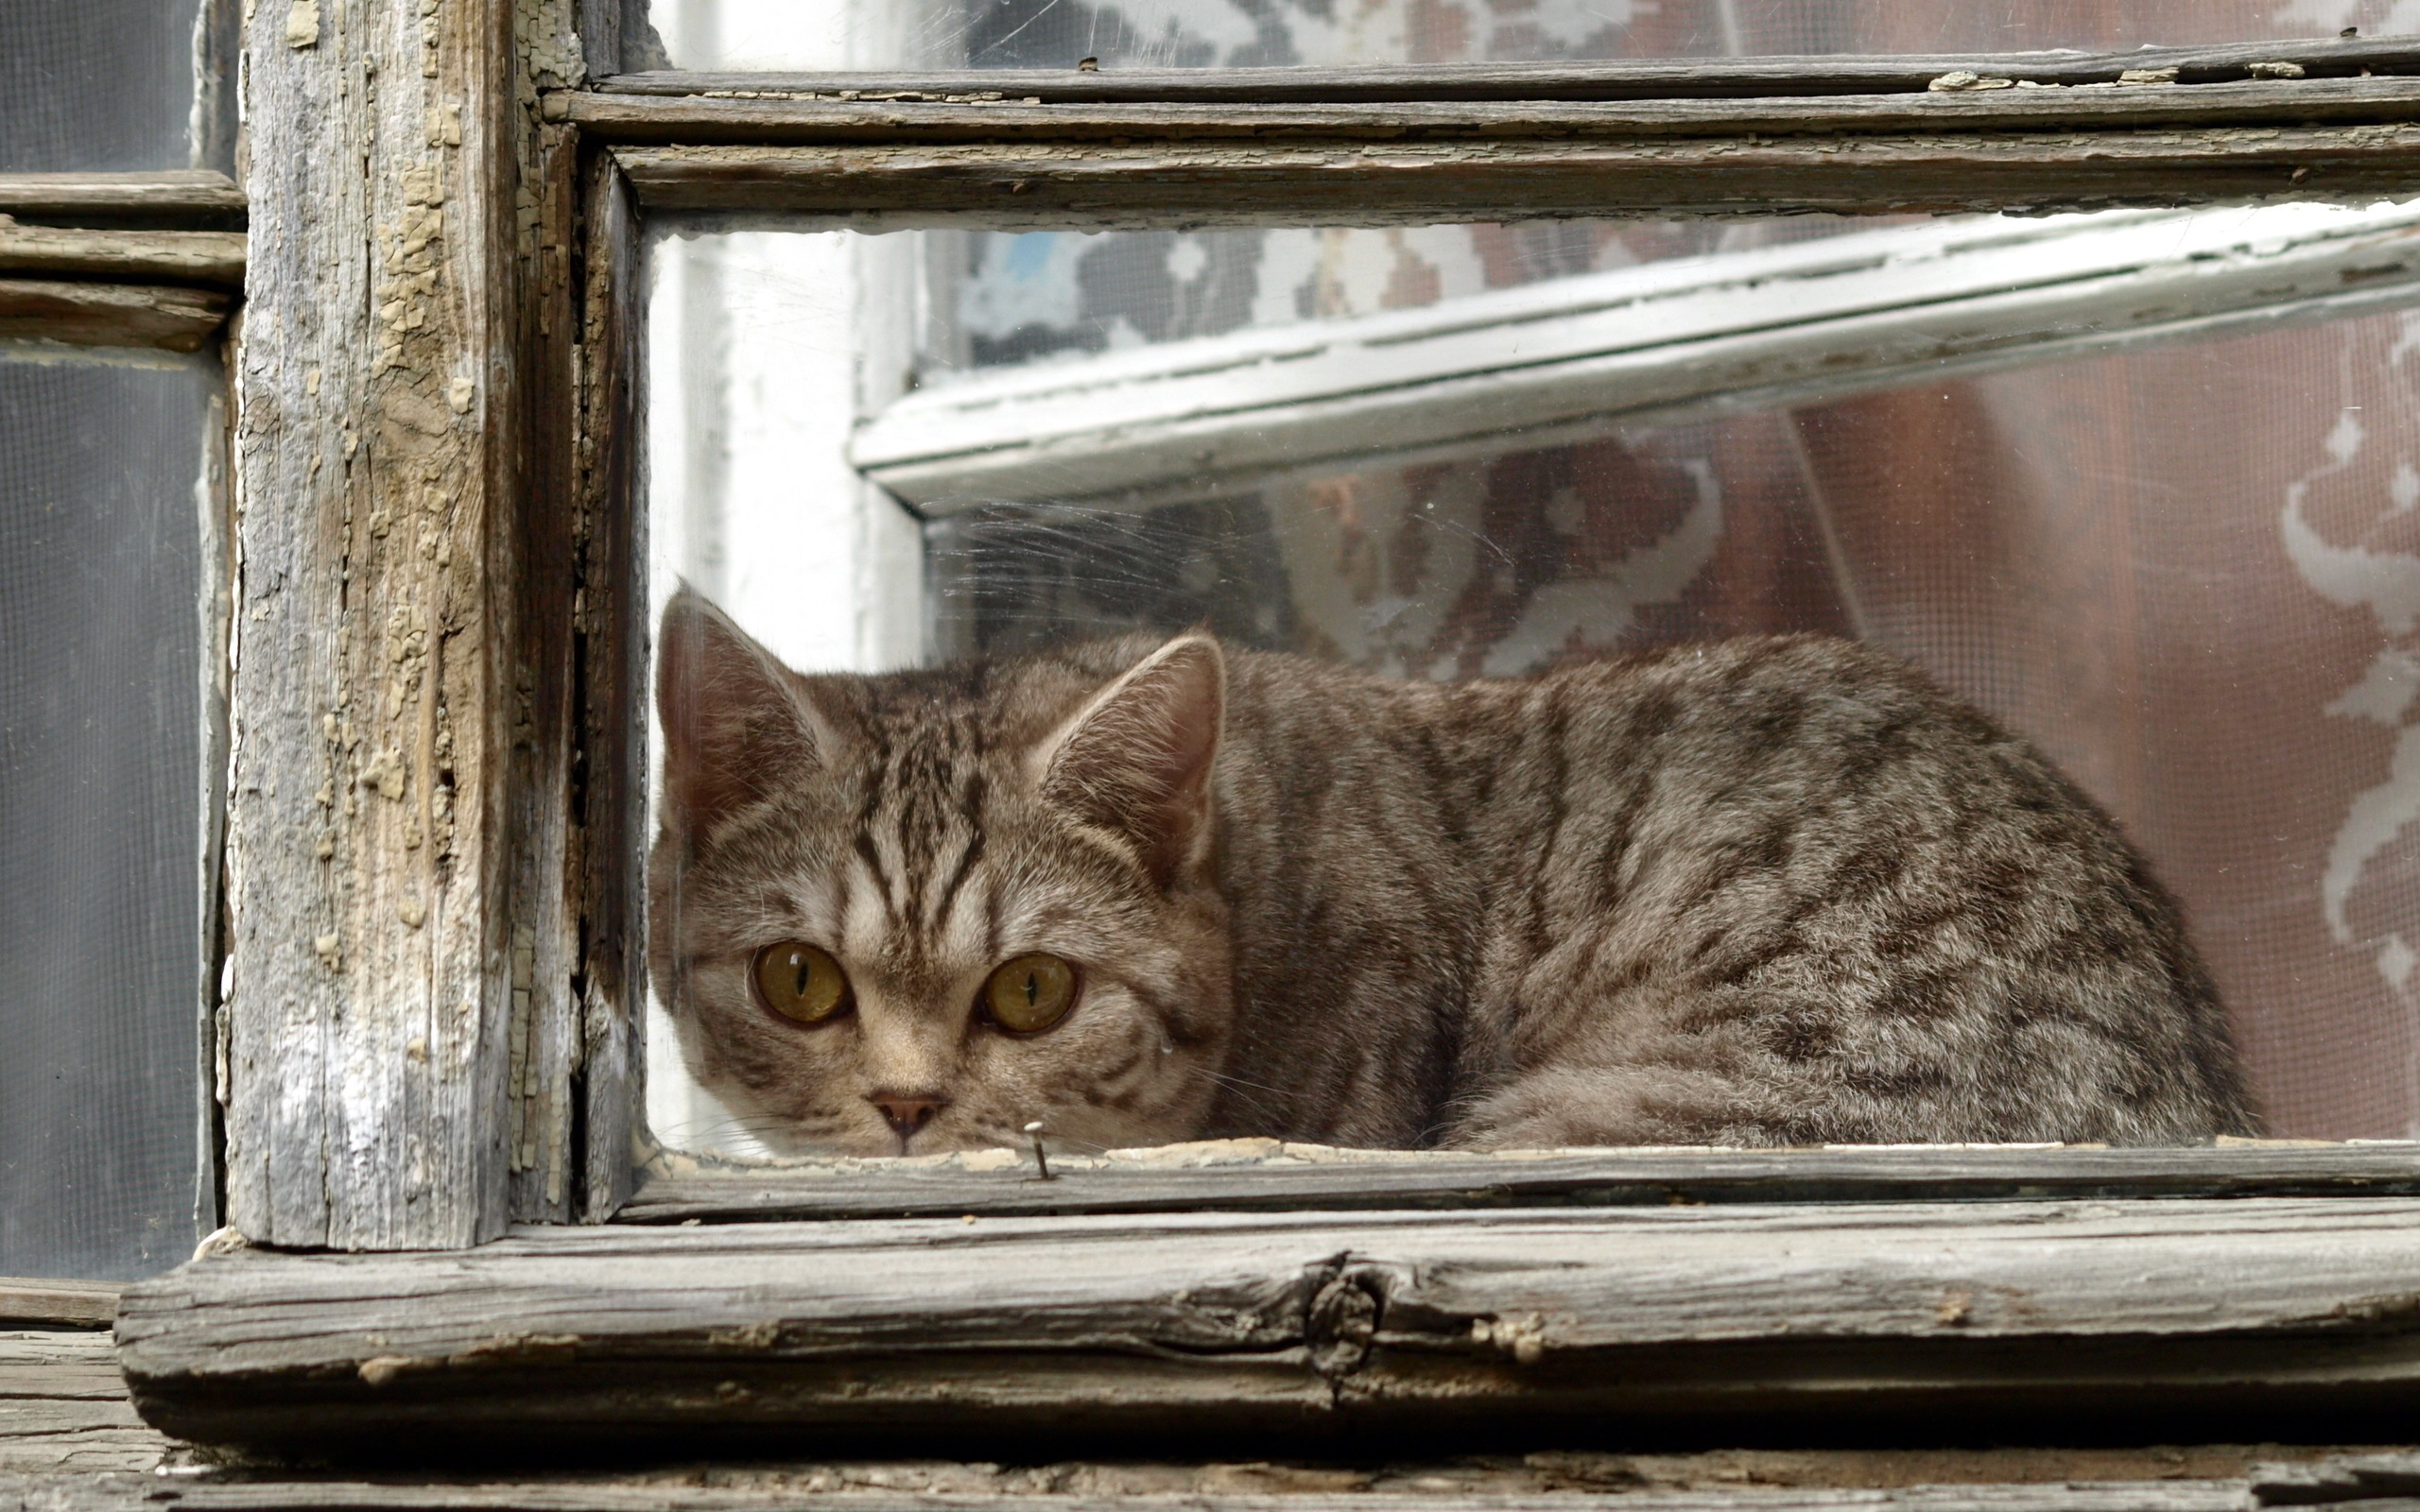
column 1261, row 33
column 101, row 808
column 1021, row 296
column 2190, row 572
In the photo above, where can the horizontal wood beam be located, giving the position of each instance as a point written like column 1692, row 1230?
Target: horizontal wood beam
column 701, row 120
column 1182, row 1178
column 1094, row 186
column 25, row 1300
column 63, row 1410
column 199, row 196
column 1036, row 1333
column 732, row 1488
column 111, row 314
column 1627, row 78
column 209, row 257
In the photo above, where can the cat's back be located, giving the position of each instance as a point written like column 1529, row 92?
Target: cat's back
column 1791, row 870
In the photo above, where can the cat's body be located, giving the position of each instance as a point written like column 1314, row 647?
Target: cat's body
column 1767, row 891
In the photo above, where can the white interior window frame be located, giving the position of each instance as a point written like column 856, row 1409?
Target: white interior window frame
column 1662, row 342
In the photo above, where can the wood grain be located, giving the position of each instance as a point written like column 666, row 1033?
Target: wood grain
column 1091, row 185
column 546, row 1036
column 1131, row 1330
column 209, row 257
column 202, row 196
column 637, row 1494
column 49, row 1299
column 1590, row 1178
column 2337, row 1478
column 374, row 693
column 64, row 1408
column 692, row 119
column 1628, row 78
column 611, row 643
column 111, row 314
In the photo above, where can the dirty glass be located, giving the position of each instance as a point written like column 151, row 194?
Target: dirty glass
column 104, row 481
column 2182, row 560
column 775, row 34
column 113, row 86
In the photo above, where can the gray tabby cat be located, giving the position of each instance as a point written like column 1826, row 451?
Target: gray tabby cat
column 1772, row 891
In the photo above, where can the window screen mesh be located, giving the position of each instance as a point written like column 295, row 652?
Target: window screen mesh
column 97, row 85
column 100, row 812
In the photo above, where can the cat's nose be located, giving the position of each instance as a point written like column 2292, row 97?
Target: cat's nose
column 908, row 1111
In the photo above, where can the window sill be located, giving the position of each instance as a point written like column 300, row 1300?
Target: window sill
column 1125, row 1330
column 1249, row 1176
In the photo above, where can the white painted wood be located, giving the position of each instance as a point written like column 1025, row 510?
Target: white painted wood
column 1809, row 321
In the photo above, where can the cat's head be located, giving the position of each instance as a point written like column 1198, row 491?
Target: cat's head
column 918, row 912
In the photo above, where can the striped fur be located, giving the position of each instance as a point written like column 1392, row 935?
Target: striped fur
column 1767, row 891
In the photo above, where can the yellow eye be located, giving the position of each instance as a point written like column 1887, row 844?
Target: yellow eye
column 1030, row 993
column 800, row 982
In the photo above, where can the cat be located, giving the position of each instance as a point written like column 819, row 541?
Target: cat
column 1771, row 891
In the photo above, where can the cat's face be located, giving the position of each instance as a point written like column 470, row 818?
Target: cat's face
column 916, row 913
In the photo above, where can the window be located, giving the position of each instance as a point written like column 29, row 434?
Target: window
column 120, row 246
column 433, row 1018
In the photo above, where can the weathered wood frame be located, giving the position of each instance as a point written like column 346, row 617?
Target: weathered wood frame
column 420, row 1054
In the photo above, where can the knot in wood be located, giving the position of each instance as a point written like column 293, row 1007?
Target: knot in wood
column 1344, row 1319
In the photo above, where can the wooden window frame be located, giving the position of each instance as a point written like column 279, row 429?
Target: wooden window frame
column 432, row 888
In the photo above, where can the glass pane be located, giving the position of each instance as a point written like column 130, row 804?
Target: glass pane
column 101, row 808
column 105, row 86
column 2186, row 571
column 772, row 34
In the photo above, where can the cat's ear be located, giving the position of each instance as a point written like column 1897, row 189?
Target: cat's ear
column 732, row 722
column 1136, row 759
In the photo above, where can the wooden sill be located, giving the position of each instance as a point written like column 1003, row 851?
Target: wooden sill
column 1452, row 1328
column 1249, row 1176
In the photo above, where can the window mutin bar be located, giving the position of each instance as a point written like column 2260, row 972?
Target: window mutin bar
column 173, row 318
column 197, row 199
column 1069, row 186
column 212, row 258
column 692, row 120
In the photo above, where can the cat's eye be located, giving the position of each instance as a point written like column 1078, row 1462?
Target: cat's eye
column 1030, row 993
column 800, row 982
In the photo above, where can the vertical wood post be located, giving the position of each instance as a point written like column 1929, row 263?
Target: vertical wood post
column 377, row 696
